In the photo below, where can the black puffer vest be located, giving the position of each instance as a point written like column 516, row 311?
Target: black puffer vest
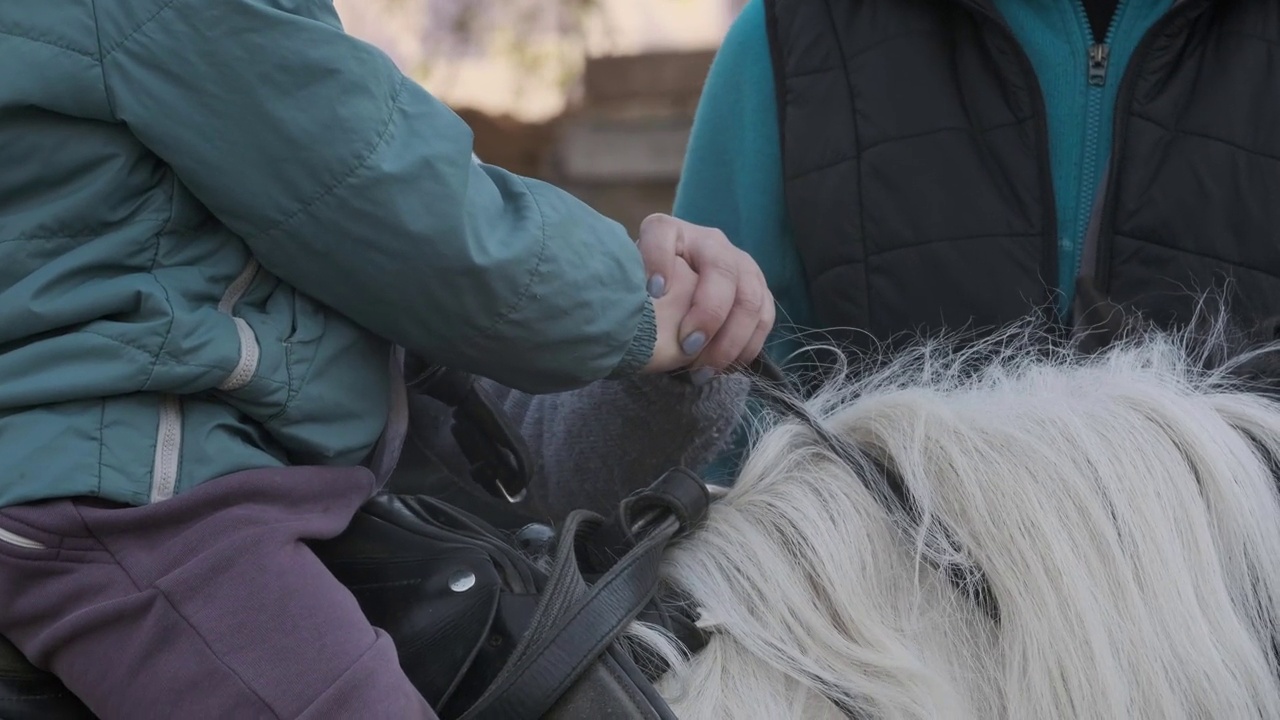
column 917, row 173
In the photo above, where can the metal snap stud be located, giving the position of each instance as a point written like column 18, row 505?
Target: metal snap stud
column 462, row 580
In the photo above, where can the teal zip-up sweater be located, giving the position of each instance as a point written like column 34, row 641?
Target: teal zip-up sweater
column 732, row 177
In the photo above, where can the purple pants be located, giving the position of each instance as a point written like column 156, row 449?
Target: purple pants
column 208, row 605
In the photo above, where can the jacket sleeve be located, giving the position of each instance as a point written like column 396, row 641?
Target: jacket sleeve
column 350, row 182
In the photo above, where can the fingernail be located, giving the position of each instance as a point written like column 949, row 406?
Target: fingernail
column 693, row 344
column 657, row 286
column 701, row 376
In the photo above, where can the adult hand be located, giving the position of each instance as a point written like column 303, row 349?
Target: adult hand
column 713, row 306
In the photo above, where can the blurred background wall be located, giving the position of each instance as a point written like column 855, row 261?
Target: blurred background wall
column 596, row 96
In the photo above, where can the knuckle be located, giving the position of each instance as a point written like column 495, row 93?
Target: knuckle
column 716, row 236
column 751, row 300
column 716, row 310
column 769, row 316
column 760, row 337
column 724, row 267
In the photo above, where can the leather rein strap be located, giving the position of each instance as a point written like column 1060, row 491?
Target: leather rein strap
column 880, row 478
column 496, row 451
column 578, row 620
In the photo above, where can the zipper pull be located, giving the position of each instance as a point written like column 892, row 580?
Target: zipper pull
column 1099, row 53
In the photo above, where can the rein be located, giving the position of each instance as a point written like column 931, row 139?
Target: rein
column 773, row 386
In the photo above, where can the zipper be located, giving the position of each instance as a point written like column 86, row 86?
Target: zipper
column 250, row 352
column 1098, row 58
column 250, row 355
column 9, row 538
column 164, row 470
column 1124, row 98
column 1099, row 54
column 238, row 287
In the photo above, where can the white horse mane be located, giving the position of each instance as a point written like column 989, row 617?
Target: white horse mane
column 1123, row 508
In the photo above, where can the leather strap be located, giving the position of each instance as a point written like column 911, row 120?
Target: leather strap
column 496, row 451
column 678, row 493
column 575, row 622
column 386, row 453
column 613, row 688
column 674, row 611
column 881, row 479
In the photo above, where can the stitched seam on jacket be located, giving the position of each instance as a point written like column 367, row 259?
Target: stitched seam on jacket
column 1196, row 253
column 106, row 53
column 151, row 354
column 151, row 271
column 88, row 234
column 49, row 43
column 911, row 32
column 878, row 254
column 102, row 66
column 102, row 442
column 842, row 67
column 815, row 71
column 289, row 389
column 346, row 177
column 953, row 238
column 828, row 164
column 534, row 273
column 294, row 389
column 1251, row 36
column 857, row 159
column 951, row 128
column 1209, row 138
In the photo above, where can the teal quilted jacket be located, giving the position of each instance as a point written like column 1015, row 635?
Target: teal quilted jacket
column 216, row 217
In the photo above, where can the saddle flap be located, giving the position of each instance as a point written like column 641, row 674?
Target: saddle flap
column 611, row 689
column 436, row 595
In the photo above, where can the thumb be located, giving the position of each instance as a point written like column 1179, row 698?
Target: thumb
column 659, row 249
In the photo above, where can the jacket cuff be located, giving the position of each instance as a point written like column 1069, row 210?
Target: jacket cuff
column 642, row 344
